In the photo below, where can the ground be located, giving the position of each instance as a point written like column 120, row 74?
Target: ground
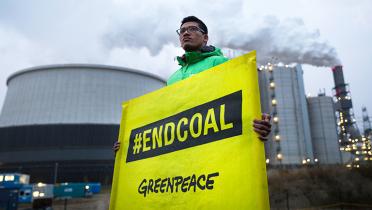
column 310, row 188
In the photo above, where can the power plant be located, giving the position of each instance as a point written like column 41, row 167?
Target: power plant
column 58, row 122
column 313, row 130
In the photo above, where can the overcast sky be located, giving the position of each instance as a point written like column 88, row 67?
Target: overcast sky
column 141, row 34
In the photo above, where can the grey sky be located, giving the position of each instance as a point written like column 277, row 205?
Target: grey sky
column 141, row 34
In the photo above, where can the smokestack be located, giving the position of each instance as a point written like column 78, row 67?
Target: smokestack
column 343, row 99
column 343, row 106
column 338, row 76
column 349, row 135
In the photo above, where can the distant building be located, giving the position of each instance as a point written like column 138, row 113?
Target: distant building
column 60, row 121
column 324, row 129
column 283, row 96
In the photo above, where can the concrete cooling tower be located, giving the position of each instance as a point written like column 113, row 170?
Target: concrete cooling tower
column 59, row 122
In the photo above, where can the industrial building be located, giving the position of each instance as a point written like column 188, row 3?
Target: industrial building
column 59, row 122
column 283, row 96
column 319, row 130
column 324, row 130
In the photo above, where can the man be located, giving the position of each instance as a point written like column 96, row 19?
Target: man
column 193, row 36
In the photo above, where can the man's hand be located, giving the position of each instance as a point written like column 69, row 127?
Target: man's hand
column 262, row 127
column 116, row 146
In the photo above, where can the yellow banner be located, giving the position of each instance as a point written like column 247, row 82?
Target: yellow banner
column 191, row 145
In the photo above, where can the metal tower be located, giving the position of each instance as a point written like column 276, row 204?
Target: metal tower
column 350, row 138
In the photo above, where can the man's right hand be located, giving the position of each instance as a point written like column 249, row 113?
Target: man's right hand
column 116, row 146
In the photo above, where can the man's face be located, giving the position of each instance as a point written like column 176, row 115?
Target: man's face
column 192, row 41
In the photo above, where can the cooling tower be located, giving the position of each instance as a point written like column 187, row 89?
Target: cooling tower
column 61, row 120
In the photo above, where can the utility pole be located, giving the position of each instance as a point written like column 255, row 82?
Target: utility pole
column 55, row 173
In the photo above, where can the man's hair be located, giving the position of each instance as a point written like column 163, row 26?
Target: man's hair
column 202, row 26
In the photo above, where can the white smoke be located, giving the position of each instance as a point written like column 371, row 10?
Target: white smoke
column 160, row 64
column 289, row 40
column 153, row 24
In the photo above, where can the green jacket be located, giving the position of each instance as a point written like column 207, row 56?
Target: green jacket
column 194, row 62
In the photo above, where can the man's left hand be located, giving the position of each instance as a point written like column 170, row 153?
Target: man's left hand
column 262, row 127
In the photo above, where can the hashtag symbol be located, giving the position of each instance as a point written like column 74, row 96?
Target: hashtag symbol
column 137, row 143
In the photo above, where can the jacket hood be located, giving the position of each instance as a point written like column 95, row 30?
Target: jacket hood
column 194, row 57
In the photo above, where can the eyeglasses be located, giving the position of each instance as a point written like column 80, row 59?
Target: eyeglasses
column 190, row 29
